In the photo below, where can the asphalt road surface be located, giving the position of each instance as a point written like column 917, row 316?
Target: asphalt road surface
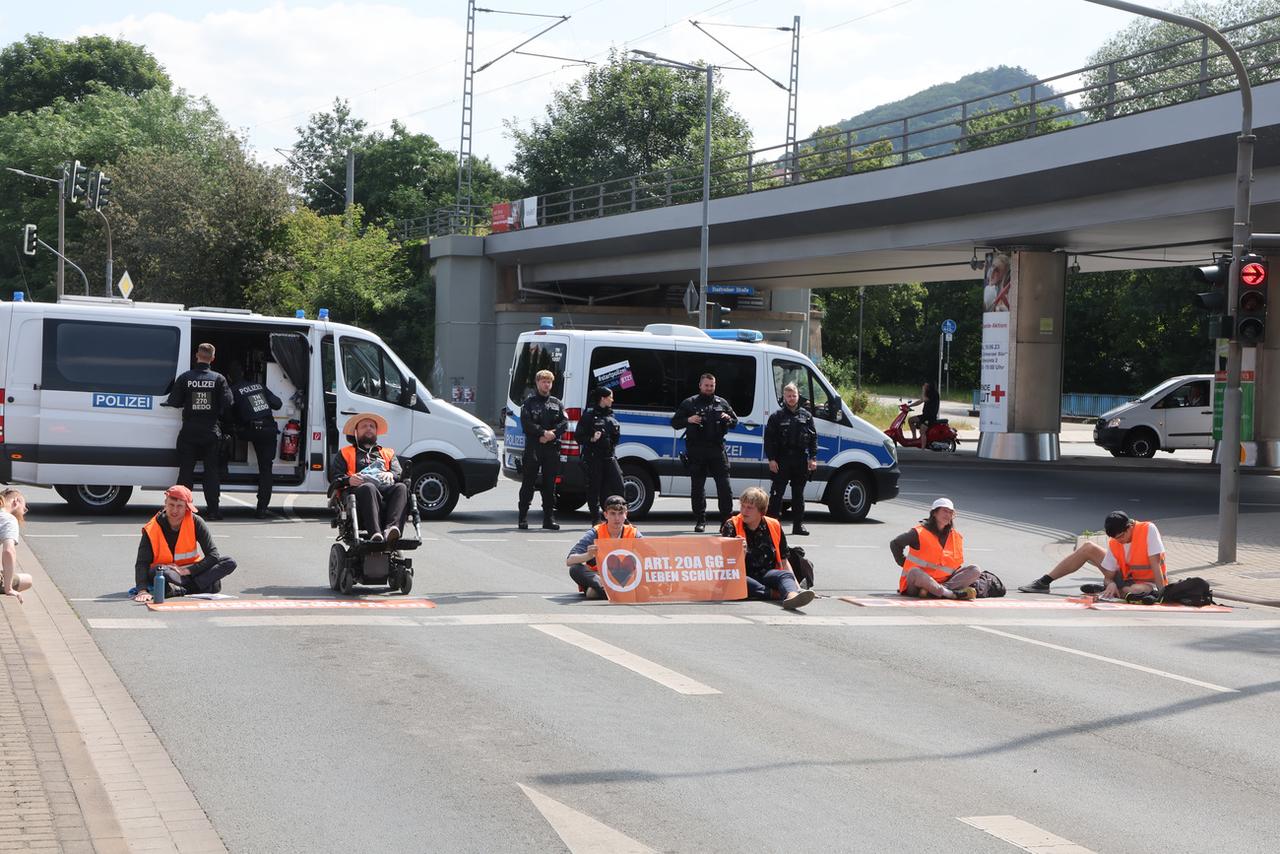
column 516, row 716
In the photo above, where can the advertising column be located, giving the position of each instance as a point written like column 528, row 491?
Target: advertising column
column 999, row 291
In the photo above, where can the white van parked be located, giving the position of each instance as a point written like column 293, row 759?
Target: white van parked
column 1176, row 414
column 82, row 383
column 652, row 371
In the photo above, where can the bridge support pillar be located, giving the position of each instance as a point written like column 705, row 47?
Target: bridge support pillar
column 796, row 302
column 465, row 344
column 1034, row 352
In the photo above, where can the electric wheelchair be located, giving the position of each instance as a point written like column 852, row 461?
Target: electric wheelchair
column 355, row 560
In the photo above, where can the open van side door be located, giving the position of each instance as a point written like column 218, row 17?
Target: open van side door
column 368, row 380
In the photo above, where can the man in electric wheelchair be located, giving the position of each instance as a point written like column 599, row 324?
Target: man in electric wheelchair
column 369, row 493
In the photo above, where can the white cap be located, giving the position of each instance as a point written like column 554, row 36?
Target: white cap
column 942, row 502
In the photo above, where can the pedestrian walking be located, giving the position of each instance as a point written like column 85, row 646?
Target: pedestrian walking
column 204, row 396
column 543, row 421
column 597, row 435
column 791, row 446
column 706, row 418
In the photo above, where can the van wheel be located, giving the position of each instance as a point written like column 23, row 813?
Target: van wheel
column 436, row 490
column 638, row 489
column 850, row 497
column 570, row 501
column 1141, row 443
column 85, row 498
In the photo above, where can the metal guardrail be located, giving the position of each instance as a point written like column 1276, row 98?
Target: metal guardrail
column 1080, row 405
column 1172, row 73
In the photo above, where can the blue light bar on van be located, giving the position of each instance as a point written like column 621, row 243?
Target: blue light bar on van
column 546, row 322
column 736, row 334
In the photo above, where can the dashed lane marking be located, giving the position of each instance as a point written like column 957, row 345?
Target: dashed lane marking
column 664, row 676
column 1103, row 658
column 276, row 537
column 1024, row 835
column 481, row 540
column 290, row 604
column 581, row 833
column 51, row 536
column 1058, row 497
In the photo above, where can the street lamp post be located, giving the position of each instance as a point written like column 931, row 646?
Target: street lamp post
column 704, row 246
column 1229, row 450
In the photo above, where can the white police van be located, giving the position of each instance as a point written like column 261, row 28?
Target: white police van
column 652, row 371
column 82, row 383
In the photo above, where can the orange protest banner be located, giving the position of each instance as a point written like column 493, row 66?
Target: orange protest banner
column 672, row 569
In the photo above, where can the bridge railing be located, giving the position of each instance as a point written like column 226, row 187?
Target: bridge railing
column 1173, row 73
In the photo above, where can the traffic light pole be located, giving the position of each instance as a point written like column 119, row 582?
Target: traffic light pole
column 62, row 233
column 67, row 260
column 1229, row 450
column 109, row 255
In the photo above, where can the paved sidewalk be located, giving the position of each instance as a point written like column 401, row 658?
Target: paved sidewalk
column 81, row 770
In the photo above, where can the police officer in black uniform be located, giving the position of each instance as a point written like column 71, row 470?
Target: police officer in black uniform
column 542, row 419
column 204, row 396
column 254, row 403
column 706, row 418
column 791, row 446
column 597, row 434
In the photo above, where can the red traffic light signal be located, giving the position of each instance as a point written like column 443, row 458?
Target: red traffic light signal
column 1251, row 301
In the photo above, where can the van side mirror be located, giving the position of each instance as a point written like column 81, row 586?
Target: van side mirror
column 409, row 394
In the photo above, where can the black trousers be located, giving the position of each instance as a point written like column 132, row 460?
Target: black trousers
column 793, row 469
column 544, row 458
column 604, row 478
column 586, row 578
column 378, row 508
column 194, row 446
column 713, row 462
column 264, row 448
column 207, row 580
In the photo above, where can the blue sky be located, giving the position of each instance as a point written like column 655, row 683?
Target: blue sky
column 268, row 65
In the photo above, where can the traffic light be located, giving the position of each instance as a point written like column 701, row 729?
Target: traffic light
column 77, row 181
column 1251, row 300
column 718, row 315
column 1214, row 300
column 101, row 190
column 29, row 238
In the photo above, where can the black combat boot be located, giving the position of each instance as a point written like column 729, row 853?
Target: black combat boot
column 523, row 522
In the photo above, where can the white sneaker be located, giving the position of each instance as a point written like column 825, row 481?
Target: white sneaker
column 798, row 600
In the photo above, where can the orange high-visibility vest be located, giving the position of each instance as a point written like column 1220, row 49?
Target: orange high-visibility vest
column 602, row 533
column 349, row 455
column 188, row 550
column 1138, row 567
column 934, row 558
column 775, row 534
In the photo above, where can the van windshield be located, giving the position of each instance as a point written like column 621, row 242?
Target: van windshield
column 532, row 357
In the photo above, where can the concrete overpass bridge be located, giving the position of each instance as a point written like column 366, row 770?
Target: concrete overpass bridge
column 1146, row 189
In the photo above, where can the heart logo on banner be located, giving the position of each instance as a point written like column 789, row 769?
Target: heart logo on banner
column 621, row 568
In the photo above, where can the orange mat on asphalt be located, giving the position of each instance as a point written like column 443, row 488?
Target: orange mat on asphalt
column 1151, row 609
column 289, row 604
column 1022, row 604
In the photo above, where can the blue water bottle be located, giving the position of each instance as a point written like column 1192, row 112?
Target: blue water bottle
column 157, row 587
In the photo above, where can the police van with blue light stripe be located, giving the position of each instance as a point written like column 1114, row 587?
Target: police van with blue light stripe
column 82, row 383
column 651, row 371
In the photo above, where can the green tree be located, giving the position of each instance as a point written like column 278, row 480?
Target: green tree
column 1009, row 124
column 1149, row 81
column 833, row 153
column 38, row 70
column 317, row 163
column 624, row 118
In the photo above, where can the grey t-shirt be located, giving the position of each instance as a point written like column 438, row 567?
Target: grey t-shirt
column 8, row 526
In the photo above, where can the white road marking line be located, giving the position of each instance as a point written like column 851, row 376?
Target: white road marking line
column 313, row 620
column 291, row 512
column 135, row 536
column 918, row 493
column 51, row 536
column 274, row 537
column 581, row 833
column 859, row 547
column 649, row 669
column 1104, row 658
column 480, row 540
column 1058, row 497
column 1024, row 835
column 126, row 623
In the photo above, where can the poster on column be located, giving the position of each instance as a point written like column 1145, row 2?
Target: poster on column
column 999, row 301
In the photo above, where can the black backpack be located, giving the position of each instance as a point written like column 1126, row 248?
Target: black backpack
column 989, row 586
column 801, row 566
column 1195, row 592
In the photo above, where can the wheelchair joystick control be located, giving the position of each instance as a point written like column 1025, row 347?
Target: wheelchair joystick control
column 157, row 586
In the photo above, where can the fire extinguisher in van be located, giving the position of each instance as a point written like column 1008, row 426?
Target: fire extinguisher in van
column 289, row 440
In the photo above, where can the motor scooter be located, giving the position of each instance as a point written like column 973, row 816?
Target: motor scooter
column 939, row 437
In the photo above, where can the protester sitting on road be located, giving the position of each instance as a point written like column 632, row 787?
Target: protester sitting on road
column 382, row 500
column 582, row 557
column 1132, row 564
column 933, row 563
column 13, row 513
column 766, row 548
column 177, row 542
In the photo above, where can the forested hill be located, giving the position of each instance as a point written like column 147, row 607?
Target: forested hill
column 939, row 99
